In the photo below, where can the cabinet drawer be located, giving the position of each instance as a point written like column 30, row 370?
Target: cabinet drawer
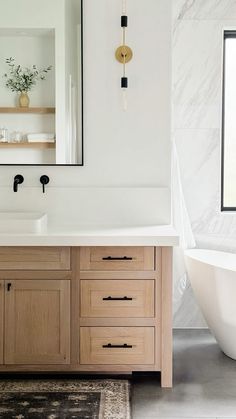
column 117, row 258
column 117, row 345
column 117, row 298
column 34, row 258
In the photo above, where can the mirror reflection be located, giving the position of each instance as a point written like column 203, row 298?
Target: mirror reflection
column 40, row 82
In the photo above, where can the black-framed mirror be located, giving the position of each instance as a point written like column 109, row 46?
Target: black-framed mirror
column 41, row 83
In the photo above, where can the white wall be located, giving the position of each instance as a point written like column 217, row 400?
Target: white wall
column 197, row 97
column 28, row 50
column 121, row 149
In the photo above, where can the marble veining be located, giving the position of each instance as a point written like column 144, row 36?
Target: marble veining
column 197, row 81
column 197, row 116
column 204, row 9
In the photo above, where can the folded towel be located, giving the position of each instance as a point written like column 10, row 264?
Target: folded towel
column 41, row 137
column 40, row 140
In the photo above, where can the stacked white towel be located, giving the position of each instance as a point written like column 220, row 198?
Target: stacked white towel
column 41, row 137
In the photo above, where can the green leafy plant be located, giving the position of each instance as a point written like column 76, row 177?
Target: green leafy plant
column 23, row 79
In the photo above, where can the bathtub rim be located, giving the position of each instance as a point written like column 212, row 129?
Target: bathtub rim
column 229, row 264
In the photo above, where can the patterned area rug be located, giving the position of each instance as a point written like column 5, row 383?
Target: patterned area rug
column 62, row 399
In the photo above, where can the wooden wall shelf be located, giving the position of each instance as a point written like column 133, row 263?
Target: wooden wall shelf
column 27, row 145
column 41, row 110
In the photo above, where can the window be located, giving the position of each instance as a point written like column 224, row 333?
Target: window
column 228, row 201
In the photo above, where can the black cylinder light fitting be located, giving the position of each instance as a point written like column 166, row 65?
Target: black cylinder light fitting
column 124, row 21
column 124, row 82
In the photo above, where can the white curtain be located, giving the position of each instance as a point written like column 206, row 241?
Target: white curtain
column 181, row 221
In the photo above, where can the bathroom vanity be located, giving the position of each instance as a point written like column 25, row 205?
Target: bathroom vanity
column 97, row 308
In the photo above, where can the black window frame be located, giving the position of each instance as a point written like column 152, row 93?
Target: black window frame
column 227, row 34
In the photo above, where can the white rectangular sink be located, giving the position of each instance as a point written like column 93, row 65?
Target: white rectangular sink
column 23, row 222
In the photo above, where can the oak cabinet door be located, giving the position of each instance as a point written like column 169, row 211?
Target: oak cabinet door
column 1, row 319
column 37, row 322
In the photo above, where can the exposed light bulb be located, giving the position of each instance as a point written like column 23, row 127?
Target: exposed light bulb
column 125, row 103
column 124, row 7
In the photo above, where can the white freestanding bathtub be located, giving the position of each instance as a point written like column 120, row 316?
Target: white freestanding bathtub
column 213, row 278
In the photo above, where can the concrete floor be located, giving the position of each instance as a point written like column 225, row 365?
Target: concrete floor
column 204, row 382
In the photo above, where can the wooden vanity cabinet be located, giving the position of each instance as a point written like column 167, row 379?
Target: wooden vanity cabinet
column 86, row 309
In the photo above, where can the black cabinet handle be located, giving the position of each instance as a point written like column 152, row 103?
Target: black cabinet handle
column 110, row 346
column 117, row 258
column 8, row 286
column 117, row 298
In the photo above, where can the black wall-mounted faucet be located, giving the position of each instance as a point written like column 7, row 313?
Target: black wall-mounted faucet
column 18, row 179
column 44, row 180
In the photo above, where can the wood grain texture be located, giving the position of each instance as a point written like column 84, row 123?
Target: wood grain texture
column 92, row 369
column 37, row 322
column 34, row 275
column 34, row 258
column 92, row 258
column 166, row 327
column 1, row 319
column 93, row 293
column 133, row 275
column 38, row 110
column 158, row 308
column 125, row 321
column 92, row 340
column 28, row 144
column 75, row 307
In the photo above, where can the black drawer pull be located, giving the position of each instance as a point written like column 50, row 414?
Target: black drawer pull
column 117, row 258
column 110, row 346
column 117, row 299
column 8, row 286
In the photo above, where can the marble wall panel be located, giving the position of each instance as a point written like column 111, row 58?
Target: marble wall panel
column 196, row 127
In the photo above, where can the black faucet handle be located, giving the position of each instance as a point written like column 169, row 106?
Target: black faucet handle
column 44, row 180
column 18, row 180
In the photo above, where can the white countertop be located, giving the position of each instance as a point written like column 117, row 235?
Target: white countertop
column 163, row 235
